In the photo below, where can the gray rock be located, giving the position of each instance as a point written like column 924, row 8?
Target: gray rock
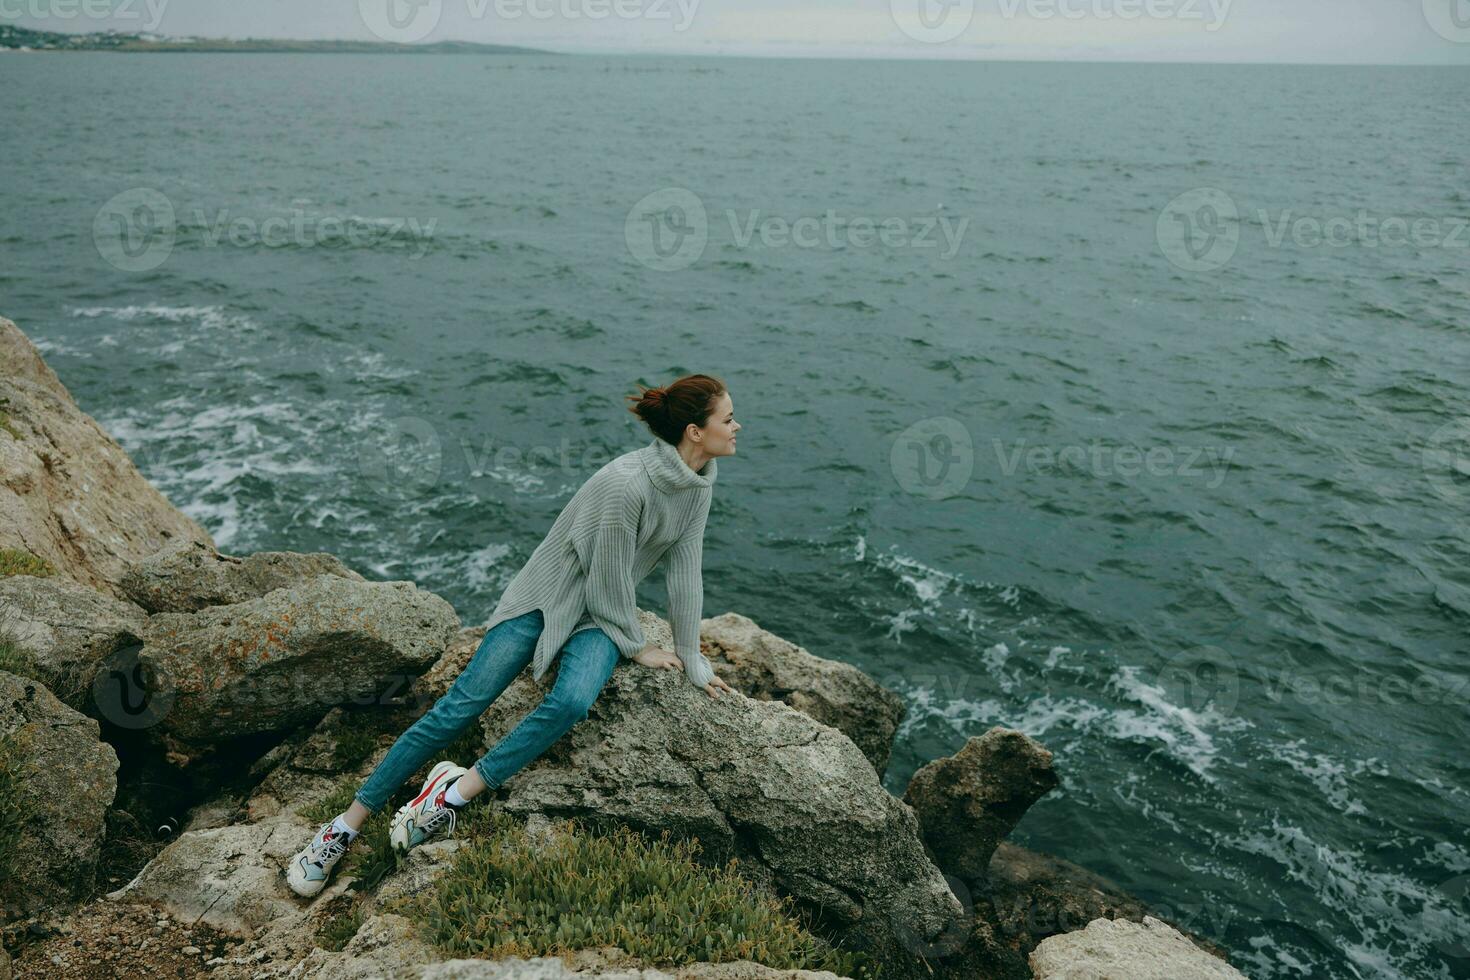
column 968, row 802
column 793, row 799
column 387, row 946
column 192, row 575
column 227, row 877
column 770, row 668
column 271, row 663
column 68, row 492
column 66, row 630
column 758, row 663
column 68, row 778
column 1117, row 949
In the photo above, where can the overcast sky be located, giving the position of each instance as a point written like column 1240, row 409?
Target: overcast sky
column 1331, row 31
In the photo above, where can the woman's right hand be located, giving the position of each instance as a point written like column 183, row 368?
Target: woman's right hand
column 653, row 655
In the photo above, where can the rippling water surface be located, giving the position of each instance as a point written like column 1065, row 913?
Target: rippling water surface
column 1183, row 496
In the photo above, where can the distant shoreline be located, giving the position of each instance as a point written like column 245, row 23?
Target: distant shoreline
column 22, row 39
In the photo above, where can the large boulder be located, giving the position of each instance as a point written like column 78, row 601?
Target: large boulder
column 192, row 575
column 968, row 802
column 65, row 630
column 271, row 663
column 69, row 494
column 229, row 878
column 767, row 667
column 67, row 778
column 1119, row 949
column 793, row 799
column 756, row 662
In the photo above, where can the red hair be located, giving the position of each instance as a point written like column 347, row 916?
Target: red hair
column 669, row 410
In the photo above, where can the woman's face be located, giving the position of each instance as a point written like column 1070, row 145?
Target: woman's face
column 719, row 430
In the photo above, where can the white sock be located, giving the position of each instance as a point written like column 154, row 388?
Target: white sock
column 452, row 797
column 340, row 826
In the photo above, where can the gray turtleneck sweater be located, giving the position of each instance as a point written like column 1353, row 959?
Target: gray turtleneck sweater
column 641, row 507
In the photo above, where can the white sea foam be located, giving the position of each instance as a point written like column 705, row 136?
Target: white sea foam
column 1328, row 775
column 1185, row 733
column 50, row 347
column 212, row 317
column 1402, row 929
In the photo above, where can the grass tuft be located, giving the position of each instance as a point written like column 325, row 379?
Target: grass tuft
column 506, row 895
column 14, row 659
column 12, row 797
column 338, row 931
column 13, row 561
column 5, row 418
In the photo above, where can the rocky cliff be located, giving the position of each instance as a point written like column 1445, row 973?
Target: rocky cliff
column 165, row 714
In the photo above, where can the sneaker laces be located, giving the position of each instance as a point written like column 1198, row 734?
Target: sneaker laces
column 333, row 846
column 436, row 818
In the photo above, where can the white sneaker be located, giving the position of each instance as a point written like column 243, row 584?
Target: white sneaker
column 426, row 814
column 310, row 869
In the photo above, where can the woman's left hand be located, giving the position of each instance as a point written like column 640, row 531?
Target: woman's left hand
column 716, row 682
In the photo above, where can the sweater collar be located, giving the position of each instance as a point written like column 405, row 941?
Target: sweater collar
column 668, row 471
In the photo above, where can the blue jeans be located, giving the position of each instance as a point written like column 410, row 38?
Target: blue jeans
column 586, row 661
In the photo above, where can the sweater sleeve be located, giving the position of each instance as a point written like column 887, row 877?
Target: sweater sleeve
column 686, row 598
column 608, row 550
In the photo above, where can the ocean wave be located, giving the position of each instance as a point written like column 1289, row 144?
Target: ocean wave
column 1402, row 929
column 210, row 317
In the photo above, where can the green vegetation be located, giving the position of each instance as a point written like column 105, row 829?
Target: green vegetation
column 356, row 740
column 14, row 659
column 16, row 562
column 12, row 802
column 338, row 931
column 506, row 894
column 69, row 681
column 5, row 418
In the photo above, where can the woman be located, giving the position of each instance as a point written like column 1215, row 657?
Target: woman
column 575, row 595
